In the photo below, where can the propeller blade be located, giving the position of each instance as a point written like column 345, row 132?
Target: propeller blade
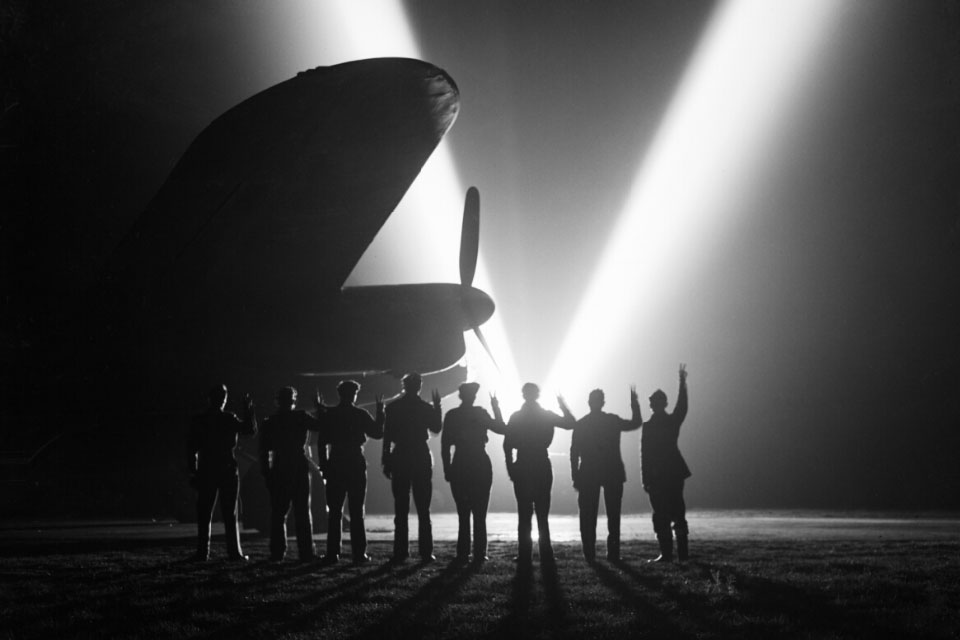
column 470, row 237
column 486, row 347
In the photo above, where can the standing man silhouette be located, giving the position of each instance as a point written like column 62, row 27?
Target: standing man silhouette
column 595, row 462
column 530, row 432
column 346, row 429
column 408, row 464
column 284, row 454
column 213, row 468
column 663, row 470
column 469, row 472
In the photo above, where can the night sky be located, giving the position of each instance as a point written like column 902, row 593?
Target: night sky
column 817, row 311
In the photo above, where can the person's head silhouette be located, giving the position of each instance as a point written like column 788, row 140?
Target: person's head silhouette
column 596, row 400
column 287, row 398
column 531, row 392
column 218, row 396
column 468, row 393
column 412, row 383
column 348, row 390
column 658, row 401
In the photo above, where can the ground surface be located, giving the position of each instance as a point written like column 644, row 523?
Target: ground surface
column 809, row 575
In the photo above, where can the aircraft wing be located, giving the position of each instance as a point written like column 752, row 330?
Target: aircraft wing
column 279, row 197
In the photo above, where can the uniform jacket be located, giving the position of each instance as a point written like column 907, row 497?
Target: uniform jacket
column 465, row 430
column 409, row 421
column 530, row 432
column 213, row 438
column 660, row 457
column 286, row 434
column 346, row 428
column 595, row 447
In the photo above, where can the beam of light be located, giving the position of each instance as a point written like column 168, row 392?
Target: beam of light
column 736, row 98
column 420, row 241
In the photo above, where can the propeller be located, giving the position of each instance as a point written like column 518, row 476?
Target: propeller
column 469, row 251
column 470, row 237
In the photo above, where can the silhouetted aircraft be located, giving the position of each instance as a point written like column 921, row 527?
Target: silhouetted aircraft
column 240, row 259
column 235, row 273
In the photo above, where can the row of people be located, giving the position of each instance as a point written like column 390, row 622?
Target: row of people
column 406, row 425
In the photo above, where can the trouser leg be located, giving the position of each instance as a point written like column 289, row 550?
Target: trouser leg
column 524, row 519
column 679, row 510
column 422, row 486
column 660, row 503
column 358, row 530
column 612, row 500
column 588, row 500
column 480, row 502
column 542, row 507
column 400, row 485
column 680, row 526
column 336, row 493
column 279, row 506
column 229, row 500
column 461, row 497
column 206, row 498
column 301, row 512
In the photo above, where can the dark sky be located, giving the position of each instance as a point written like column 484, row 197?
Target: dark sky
column 818, row 320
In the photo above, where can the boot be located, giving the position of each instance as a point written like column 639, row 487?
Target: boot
column 682, row 548
column 666, row 548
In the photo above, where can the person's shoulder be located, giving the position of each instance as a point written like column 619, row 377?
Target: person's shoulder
column 398, row 405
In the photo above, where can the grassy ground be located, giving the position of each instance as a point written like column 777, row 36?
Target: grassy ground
column 785, row 588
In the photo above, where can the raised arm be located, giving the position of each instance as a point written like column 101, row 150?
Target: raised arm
column 497, row 425
column 375, row 428
column 636, row 419
column 680, row 410
column 568, row 421
column 436, row 422
column 248, row 424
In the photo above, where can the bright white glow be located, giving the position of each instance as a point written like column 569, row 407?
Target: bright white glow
column 420, row 242
column 735, row 99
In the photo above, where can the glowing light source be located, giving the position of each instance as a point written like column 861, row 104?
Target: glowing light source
column 724, row 120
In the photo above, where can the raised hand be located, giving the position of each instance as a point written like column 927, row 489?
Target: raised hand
column 563, row 405
column 379, row 400
column 683, row 372
column 248, row 403
column 435, row 396
column 494, row 402
column 634, row 398
column 318, row 398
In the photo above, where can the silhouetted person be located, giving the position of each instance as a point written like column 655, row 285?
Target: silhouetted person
column 469, row 472
column 595, row 463
column 530, row 432
column 408, row 464
column 663, row 470
column 213, row 468
column 284, row 463
column 346, row 429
